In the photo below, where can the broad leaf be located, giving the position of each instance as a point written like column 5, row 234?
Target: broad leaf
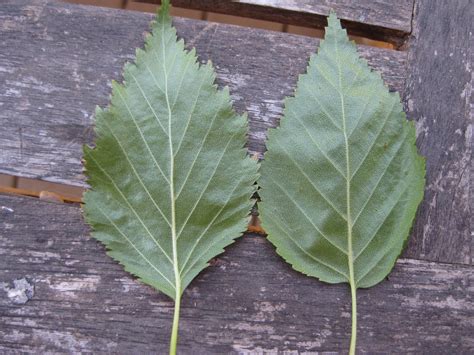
column 342, row 179
column 171, row 182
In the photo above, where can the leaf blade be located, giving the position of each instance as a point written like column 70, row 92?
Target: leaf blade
column 154, row 201
column 344, row 136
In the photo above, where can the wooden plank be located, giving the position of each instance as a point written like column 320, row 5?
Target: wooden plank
column 384, row 20
column 69, row 297
column 52, row 84
column 438, row 96
column 57, row 61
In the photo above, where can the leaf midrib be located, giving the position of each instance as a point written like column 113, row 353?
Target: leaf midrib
column 350, row 260
column 171, row 184
column 348, row 173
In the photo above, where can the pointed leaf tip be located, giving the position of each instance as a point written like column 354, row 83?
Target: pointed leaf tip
column 164, row 11
column 333, row 20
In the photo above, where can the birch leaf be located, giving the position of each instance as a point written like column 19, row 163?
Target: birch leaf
column 342, row 179
column 171, row 184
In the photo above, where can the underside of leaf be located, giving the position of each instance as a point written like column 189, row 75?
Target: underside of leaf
column 342, row 178
column 171, row 184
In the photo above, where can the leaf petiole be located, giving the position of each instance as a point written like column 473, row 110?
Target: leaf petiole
column 352, row 348
column 174, row 330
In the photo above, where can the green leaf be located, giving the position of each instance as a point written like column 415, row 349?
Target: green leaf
column 171, row 183
column 342, row 179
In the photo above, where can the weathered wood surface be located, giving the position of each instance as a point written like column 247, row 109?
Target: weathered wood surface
column 248, row 300
column 438, row 96
column 384, row 20
column 57, row 61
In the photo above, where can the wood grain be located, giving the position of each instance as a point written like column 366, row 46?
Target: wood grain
column 438, row 96
column 247, row 301
column 60, row 293
column 384, row 20
column 52, row 84
column 57, row 61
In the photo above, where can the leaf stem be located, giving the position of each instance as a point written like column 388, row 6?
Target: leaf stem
column 352, row 348
column 174, row 331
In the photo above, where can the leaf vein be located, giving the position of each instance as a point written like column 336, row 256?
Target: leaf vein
column 148, row 102
column 205, row 230
column 373, row 142
column 306, row 216
column 326, row 78
column 171, row 185
column 203, row 141
column 369, row 99
column 136, row 174
column 323, row 108
column 318, row 260
column 380, row 225
column 130, row 206
column 316, row 144
column 378, row 181
column 295, row 163
column 142, row 137
column 135, row 247
column 189, row 118
column 205, row 187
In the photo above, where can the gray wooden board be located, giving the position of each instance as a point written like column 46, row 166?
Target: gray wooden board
column 57, row 61
column 70, row 297
column 438, row 96
column 384, row 20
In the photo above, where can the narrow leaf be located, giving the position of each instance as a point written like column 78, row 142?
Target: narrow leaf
column 171, row 184
column 342, row 179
